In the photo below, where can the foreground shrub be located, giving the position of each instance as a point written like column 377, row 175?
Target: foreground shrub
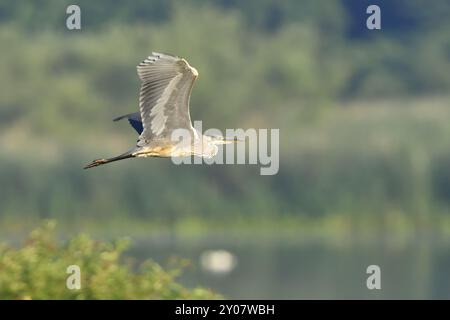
column 37, row 270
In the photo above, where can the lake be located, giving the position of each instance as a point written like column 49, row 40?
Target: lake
column 272, row 268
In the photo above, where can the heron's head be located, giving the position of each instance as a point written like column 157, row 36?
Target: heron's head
column 208, row 145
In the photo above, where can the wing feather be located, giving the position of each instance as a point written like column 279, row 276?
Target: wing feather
column 166, row 87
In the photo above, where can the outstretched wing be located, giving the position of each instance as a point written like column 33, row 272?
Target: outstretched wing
column 164, row 97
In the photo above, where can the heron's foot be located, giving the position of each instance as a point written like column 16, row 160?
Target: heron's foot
column 96, row 163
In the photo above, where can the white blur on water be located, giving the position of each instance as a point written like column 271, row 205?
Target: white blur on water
column 218, row 261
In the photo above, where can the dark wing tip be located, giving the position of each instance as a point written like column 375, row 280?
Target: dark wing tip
column 135, row 121
column 128, row 115
column 119, row 118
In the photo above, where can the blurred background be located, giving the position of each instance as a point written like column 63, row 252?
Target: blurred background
column 364, row 140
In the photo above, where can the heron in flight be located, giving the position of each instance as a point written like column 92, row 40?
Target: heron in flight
column 166, row 87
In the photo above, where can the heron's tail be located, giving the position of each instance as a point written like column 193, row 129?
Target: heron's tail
column 100, row 162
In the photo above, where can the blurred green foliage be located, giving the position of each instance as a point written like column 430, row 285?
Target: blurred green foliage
column 363, row 116
column 38, row 271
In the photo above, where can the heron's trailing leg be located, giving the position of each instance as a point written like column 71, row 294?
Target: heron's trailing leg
column 99, row 162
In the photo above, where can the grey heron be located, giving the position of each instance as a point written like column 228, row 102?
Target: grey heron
column 166, row 85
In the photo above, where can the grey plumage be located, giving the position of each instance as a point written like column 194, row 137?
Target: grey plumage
column 166, row 85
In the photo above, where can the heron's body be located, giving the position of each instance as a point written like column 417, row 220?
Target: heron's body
column 167, row 83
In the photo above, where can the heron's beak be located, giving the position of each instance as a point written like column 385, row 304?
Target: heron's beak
column 231, row 139
column 228, row 140
column 225, row 140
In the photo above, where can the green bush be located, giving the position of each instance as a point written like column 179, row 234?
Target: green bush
column 38, row 271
